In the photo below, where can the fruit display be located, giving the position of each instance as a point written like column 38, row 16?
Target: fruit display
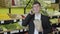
column 2, row 28
column 54, row 21
column 10, row 27
column 4, row 17
column 12, row 15
column 59, row 20
column 13, row 26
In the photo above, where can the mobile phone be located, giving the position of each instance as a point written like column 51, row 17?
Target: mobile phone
column 23, row 16
column 31, row 11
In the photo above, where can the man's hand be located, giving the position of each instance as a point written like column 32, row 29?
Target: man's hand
column 32, row 12
column 22, row 17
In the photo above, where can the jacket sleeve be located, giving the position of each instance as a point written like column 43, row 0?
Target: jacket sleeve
column 27, row 20
column 48, row 24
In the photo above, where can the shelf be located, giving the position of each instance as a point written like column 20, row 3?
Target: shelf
column 9, row 21
column 14, row 31
column 12, row 18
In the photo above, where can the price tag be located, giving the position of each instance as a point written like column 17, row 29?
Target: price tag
column 14, row 20
column 2, row 21
column 25, row 29
column 20, row 19
column 15, row 31
column 5, row 32
column 21, row 30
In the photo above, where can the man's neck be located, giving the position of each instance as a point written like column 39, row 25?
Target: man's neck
column 37, row 13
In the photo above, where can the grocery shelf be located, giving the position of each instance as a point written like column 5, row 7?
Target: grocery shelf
column 14, row 31
column 55, row 17
column 9, row 21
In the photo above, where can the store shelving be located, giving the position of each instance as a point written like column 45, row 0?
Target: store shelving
column 13, row 23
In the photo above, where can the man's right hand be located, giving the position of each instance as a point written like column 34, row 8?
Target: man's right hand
column 31, row 12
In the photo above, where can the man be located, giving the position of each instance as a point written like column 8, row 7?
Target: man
column 42, row 21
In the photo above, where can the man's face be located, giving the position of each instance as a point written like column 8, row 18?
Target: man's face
column 36, row 8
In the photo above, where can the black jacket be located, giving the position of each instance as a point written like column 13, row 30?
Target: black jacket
column 45, row 23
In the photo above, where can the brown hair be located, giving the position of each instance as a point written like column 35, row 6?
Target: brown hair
column 36, row 2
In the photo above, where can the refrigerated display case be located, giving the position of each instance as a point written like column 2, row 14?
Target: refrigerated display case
column 12, row 24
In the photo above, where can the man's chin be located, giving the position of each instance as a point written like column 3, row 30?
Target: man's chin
column 37, row 12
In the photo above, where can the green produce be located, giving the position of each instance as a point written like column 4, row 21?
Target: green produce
column 13, row 26
column 3, row 28
column 10, row 26
column 18, row 26
column 54, row 21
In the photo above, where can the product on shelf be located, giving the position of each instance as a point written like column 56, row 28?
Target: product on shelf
column 12, row 16
column 13, row 26
column 2, row 28
column 4, row 17
column 10, row 27
column 54, row 21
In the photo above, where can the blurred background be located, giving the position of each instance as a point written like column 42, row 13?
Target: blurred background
column 19, row 5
